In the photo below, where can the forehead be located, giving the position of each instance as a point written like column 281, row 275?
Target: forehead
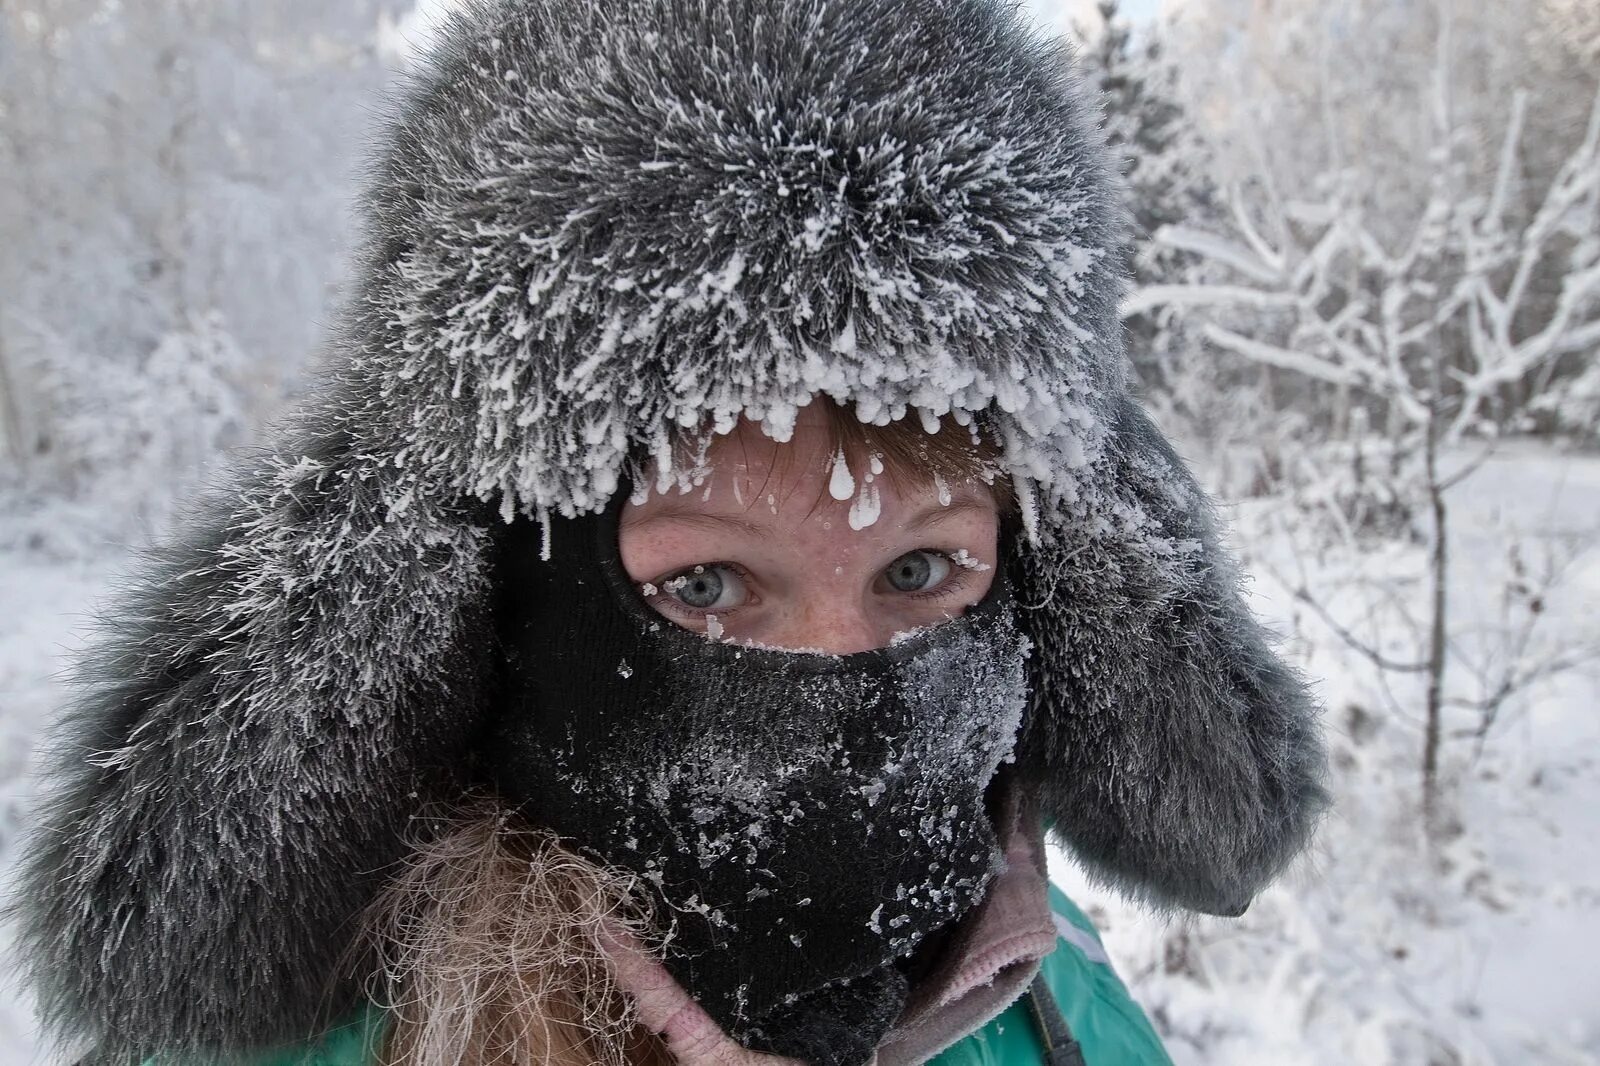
column 749, row 452
column 907, row 452
column 811, row 486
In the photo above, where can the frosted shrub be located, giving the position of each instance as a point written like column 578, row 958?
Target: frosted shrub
column 120, row 442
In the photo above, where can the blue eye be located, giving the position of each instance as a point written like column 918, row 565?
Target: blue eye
column 707, row 587
column 917, row 571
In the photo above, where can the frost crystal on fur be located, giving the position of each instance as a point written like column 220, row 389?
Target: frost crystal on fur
column 688, row 236
column 598, row 226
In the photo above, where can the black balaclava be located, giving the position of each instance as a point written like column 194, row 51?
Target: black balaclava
column 808, row 819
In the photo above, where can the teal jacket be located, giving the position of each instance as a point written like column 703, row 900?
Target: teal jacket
column 1107, row 1023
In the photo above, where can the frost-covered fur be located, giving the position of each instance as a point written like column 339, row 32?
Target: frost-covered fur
column 1179, row 756
column 597, row 225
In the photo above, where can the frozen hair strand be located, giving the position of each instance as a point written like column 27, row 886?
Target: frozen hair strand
column 490, row 943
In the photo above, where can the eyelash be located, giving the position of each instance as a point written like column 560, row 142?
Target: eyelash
column 675, row 604
column 959, row 575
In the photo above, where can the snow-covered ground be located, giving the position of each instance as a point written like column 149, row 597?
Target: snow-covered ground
column 1368, row 952
column 46, row 600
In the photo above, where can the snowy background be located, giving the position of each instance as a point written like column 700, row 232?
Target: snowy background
column 1368, row 308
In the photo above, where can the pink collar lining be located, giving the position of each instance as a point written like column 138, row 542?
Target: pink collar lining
column 996, row 948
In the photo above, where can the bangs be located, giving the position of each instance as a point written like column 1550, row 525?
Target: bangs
column 910, row 453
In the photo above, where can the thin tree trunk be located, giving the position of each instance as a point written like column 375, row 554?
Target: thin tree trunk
column 1439, row 569
column 11, row 413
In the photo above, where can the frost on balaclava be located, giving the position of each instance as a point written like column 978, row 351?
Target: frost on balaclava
column 807, row 819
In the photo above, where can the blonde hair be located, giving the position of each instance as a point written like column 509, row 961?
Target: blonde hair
column 490, row 949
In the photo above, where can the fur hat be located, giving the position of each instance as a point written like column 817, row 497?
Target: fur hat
column 597, row 225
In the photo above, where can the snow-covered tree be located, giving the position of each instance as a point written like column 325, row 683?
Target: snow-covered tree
column 1164, row 160
column 166, row 167
column 1439, row 332
column 136, row 435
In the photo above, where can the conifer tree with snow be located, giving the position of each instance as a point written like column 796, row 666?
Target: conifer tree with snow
column 1164, row 162
column 174, row 187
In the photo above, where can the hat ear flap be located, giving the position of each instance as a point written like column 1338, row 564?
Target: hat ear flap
column 273, row 700
column 1178, row 757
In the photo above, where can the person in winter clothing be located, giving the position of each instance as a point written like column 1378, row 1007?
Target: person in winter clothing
column 511, row 709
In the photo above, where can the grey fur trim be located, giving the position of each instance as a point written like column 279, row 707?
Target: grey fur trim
column 270, row 700
column 596, row 224
column 693, row 209
column 1179, row 758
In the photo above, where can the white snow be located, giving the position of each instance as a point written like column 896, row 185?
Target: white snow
column 845, row 342
column 866, row 507
column 962, row 558
column 840, row 484
column 1363, row 952
column 900, row 636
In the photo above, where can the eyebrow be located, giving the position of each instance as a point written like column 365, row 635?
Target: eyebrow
column 686, row 513
column 939, row 512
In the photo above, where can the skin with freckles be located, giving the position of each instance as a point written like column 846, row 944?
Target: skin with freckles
column 764, row 552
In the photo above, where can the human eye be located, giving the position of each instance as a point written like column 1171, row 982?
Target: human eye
column 704, row 587
column 919, row 571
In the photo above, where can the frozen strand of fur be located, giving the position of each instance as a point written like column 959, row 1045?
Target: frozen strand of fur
column 490, row 943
